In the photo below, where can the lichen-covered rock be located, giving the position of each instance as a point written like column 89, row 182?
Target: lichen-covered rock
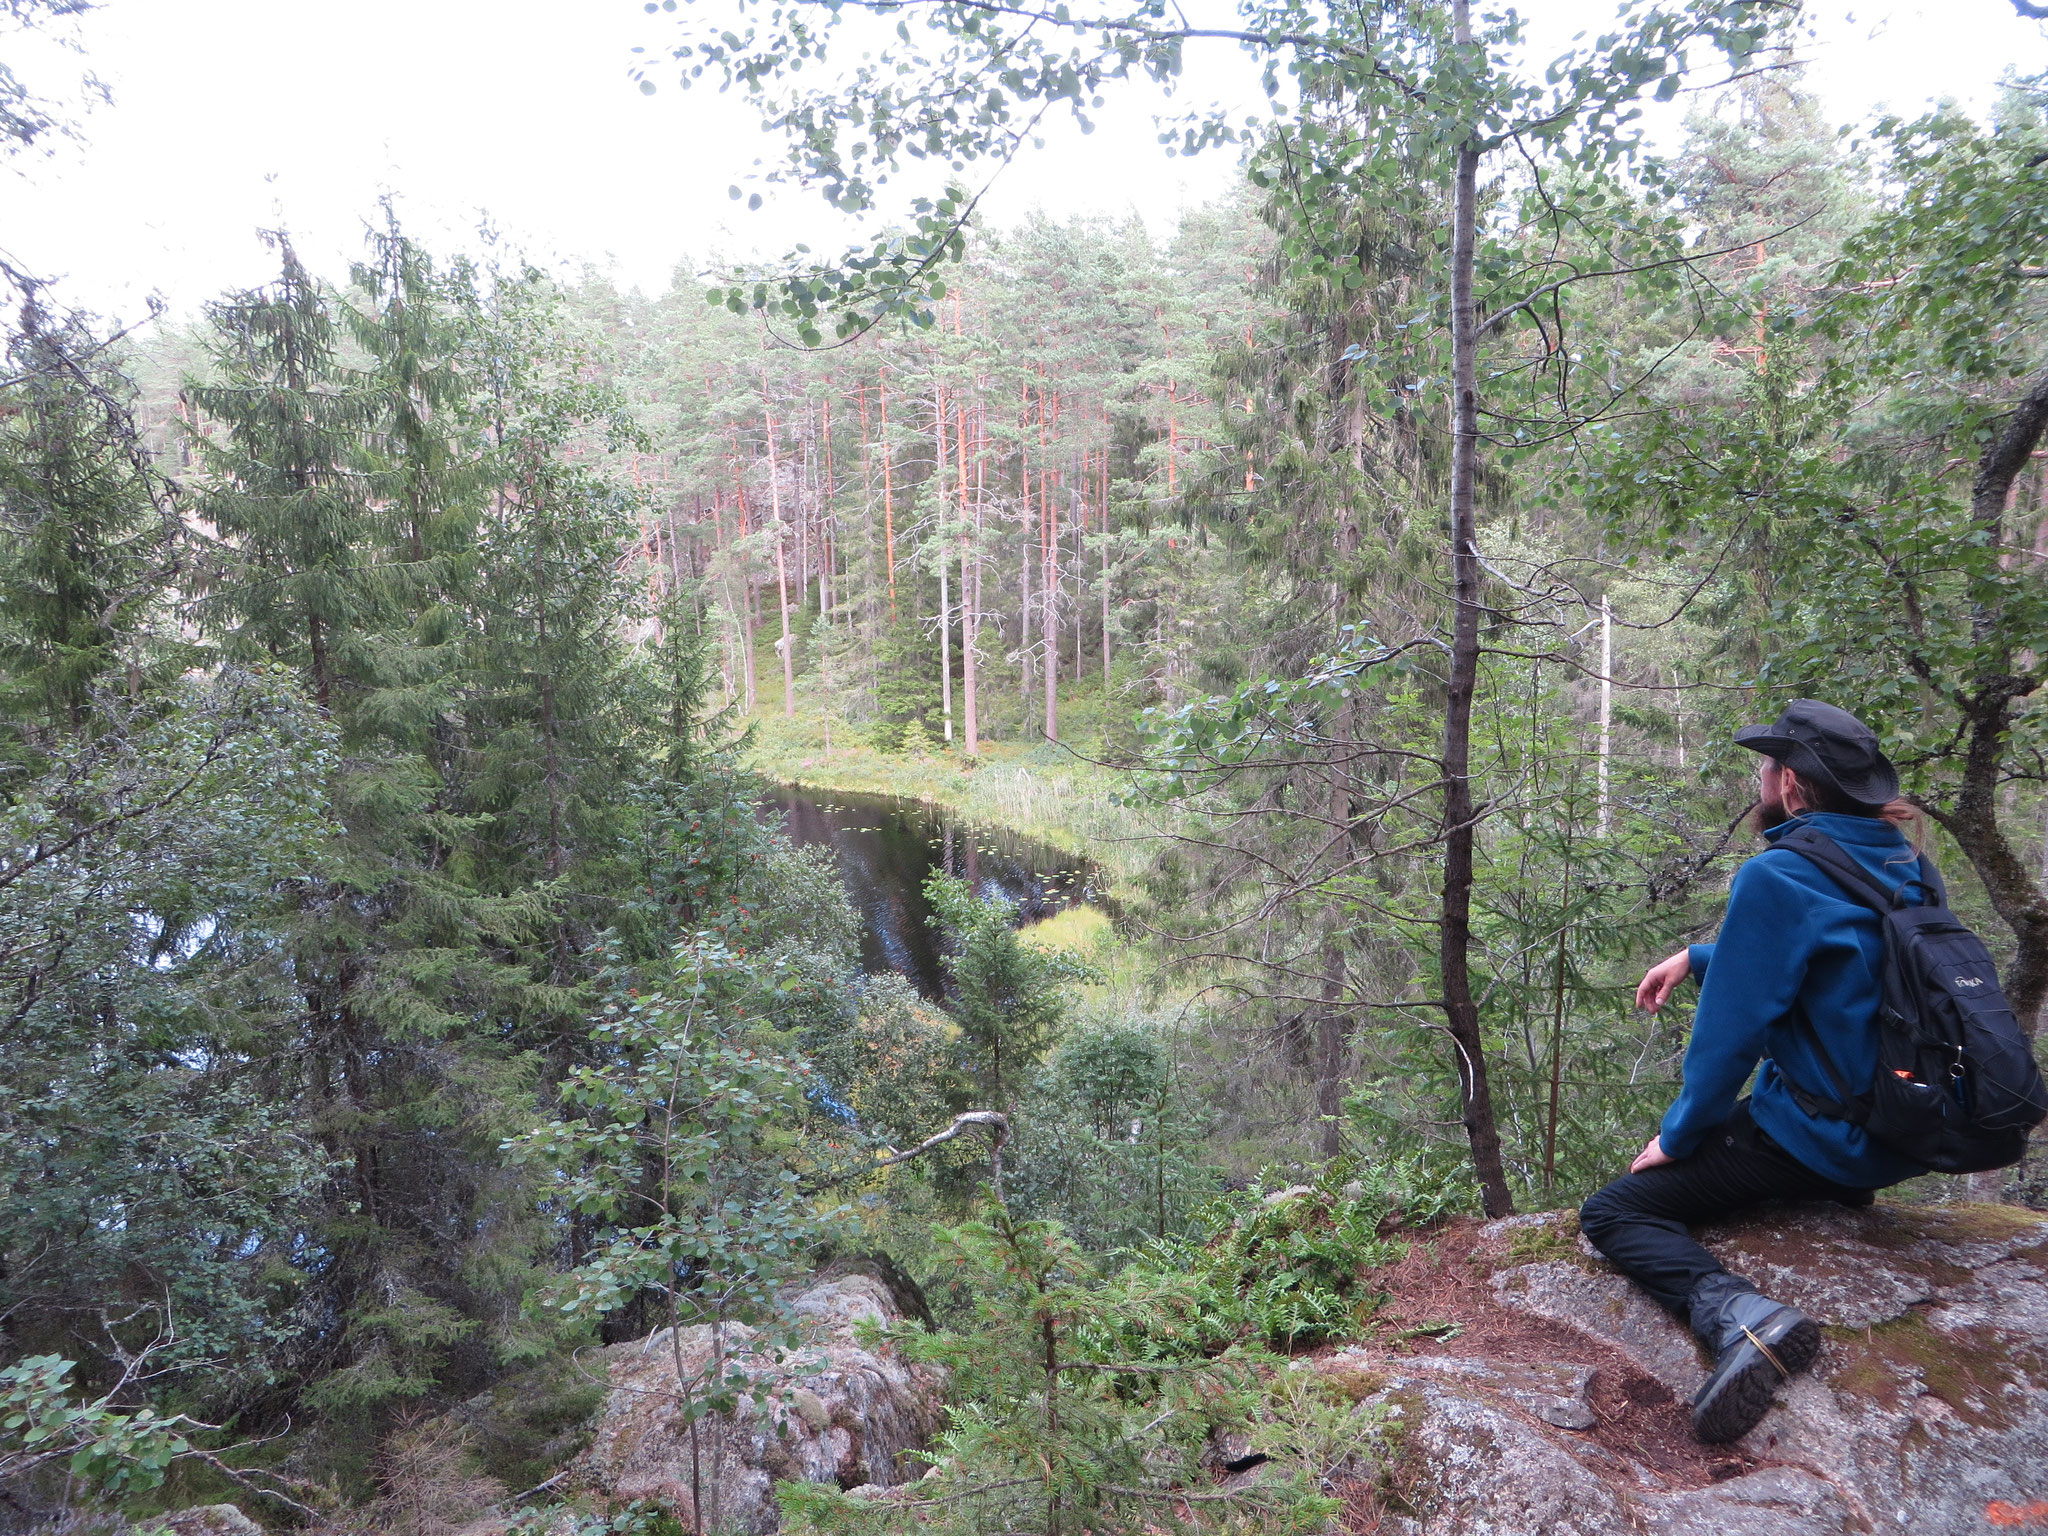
column 212, row 1520
column 832, row 1411
column 1927, row 1411
column 1553, row 1391
column 1771, row 1501
column 1570, row 1294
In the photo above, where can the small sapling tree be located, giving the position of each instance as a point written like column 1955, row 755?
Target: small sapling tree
column 1007, row 996
column 677, row 1149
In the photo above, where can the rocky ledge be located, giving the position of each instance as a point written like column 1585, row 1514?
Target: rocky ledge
column 1559, row 1404
column 835, row 1409
column 1530, row 1389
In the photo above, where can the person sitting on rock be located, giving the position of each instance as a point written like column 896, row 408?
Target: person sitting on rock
column 1794, row 951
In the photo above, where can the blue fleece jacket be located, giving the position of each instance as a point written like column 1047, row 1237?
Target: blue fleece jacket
column 1793, row 943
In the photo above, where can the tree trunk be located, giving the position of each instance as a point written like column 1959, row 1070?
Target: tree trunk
column 1461, row 1013
column 1330, row 1053
column 2016, row 896
column 1049, row 582
column 1972, row 820
column 781, row 561
column 825, row 496
column 1105, row 593
column 970, row 615
column 946, row 643
column 1080, row 568
column 1554, row 1107
column 945, row 584
column 323, row 691
column 1606, row 710
column 1026, row 526
column 806, row 479
column 1331, row 1042
column 888, row 500
column 1172, row 431
column 752, row 646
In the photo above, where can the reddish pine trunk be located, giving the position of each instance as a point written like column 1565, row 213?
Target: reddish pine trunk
column 781, row 562
column 888, row 500
column 970, row 617
column 1049, row 536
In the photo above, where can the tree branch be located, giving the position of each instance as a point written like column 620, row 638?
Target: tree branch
column 2004, row 459
column 990, row 1120
column 1493, row 320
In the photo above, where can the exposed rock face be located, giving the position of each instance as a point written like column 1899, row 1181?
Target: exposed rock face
column 832, row 1411
column 1927, row 1411
column 212, row 1520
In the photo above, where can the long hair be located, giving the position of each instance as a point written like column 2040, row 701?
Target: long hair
column 1910, row 820
column 1901, row 813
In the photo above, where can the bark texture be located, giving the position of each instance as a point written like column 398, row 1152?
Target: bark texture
column 1991, row 700
column 1461, row 1012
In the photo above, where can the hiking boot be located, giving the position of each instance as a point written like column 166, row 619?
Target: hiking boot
column 1758, row 1345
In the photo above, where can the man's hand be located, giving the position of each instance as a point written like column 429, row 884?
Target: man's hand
column 1662, row 979
column 1653, row 1154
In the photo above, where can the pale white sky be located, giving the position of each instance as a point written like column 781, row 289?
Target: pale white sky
column 230, row 115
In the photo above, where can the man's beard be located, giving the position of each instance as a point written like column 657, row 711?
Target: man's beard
column 1769, row 815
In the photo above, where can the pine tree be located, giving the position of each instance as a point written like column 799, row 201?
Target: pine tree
column 93, row 535
column 149, row 822
column 286, row 490
column 347, row 496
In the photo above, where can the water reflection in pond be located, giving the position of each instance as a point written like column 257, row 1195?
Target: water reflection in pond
column 886, row 847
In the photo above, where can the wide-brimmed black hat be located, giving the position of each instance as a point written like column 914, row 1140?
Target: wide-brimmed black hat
column 1829, row 745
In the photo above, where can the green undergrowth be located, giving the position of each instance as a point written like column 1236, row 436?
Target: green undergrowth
column 1283, row 1272
column 1086, row 1392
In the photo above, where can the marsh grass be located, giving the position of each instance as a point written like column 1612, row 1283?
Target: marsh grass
column 1078, row 931
column 1038, row 789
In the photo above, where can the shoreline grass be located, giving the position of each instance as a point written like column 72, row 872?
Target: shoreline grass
column 1040, row 790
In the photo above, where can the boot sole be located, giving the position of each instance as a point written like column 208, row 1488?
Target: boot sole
column 1730, row 1405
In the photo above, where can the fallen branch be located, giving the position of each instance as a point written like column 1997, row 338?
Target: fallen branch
column 241, row 1480
column 995, row 1123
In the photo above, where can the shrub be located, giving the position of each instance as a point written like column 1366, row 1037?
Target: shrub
column 1282, row 1271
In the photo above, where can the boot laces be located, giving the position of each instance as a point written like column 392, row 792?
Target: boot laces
column 1768, row 1353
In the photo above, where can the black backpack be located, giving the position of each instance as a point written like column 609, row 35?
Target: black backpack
column 1957, row 1086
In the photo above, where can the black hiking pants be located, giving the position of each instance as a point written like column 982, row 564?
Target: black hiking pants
column 1639, row 1221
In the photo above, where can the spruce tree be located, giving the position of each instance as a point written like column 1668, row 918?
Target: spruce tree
column 558, row 714
column 151, row 1182
column 286, row 491
column 93, row 537
column 346, row 488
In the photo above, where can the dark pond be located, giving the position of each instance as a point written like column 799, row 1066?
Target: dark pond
column 886, row 847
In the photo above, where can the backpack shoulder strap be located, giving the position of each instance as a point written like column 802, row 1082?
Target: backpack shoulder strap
column 1844, row 871
column 1931, row 883
column 1844, row 1105
column 1818, row 848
